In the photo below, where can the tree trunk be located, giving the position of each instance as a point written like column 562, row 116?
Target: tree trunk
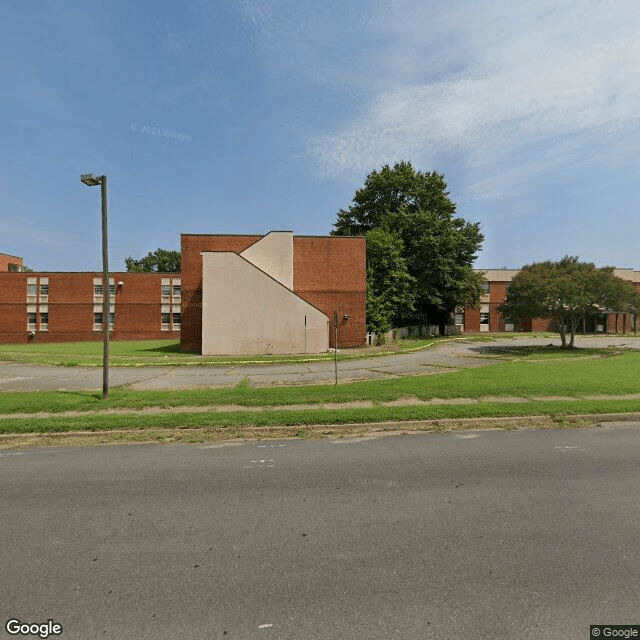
column 573, row 324
column 563, row 332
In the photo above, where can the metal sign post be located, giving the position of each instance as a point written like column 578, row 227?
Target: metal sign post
column 335, row 345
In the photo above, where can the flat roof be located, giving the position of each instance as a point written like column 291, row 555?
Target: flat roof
column 251, row 235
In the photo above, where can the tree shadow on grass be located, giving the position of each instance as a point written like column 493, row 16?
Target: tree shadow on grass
column 166, row 348
column 539, row 351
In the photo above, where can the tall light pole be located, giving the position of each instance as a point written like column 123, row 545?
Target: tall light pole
column 90, row 180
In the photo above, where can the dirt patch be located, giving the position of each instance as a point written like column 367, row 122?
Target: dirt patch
column 217, row 434
column 504, row 399
column 405, row 402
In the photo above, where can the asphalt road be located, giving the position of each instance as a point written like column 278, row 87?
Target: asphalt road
column 492, row 535
column 446, row 357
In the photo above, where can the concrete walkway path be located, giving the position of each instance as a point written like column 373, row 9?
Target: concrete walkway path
column 447, row 356
column 358, row 404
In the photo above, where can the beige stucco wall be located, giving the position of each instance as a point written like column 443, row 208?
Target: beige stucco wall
column 499, row 275
column 244, row 311
column 628, row 274
column 273, row 254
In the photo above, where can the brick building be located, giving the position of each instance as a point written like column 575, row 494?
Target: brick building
column 326, row 272
column 295, row 285
column 486, row 317
column 64, row 307
column 10, row 263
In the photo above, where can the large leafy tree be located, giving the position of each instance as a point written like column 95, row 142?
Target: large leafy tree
column 389, row 285
column 438, row 248
column 567, row 291
column 159, row 261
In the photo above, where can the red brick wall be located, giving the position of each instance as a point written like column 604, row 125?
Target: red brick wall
column 619, row 323
column 70, row 307
column 13, row 307
column 497, row 295
column 472, row 319
column 542, row 324
column 328, row 272
column 192, row 247
column 6, row 260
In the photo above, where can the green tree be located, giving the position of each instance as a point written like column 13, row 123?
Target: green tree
column 389, row 285
column 159, row 261
column 567, row 291
column 438, row 248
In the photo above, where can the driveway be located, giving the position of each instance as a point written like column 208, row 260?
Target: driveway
column 448, row 356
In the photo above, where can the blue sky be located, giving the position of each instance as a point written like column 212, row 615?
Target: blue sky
column 242, row 116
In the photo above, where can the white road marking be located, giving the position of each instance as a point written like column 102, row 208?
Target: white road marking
column 222, row 444
column 264, row 626
column 260, row 464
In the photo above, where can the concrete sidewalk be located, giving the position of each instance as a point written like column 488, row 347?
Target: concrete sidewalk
column 332, row 406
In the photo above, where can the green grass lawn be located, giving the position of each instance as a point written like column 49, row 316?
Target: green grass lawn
column 608, row 372
column 146, row 353
column 153, row 353
column 230, row 421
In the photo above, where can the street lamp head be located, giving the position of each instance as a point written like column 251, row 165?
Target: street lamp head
column 90, row 180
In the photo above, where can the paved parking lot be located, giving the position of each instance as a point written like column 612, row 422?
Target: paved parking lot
column 448, row 356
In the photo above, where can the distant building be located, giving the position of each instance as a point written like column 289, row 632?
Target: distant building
column 11, row 263
column 272, row 294
column 65, row 307
column 486, row 317
column 236, row 294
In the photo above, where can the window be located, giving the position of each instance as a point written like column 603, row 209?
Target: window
column 15, row 268
column 32, row 291
column 166, row 318
column 486, row 288
column 177, row 290
column 31, row 320
column 97, row 318
column 484, row 318
column 98, row 288
column 176, row 319
column 44, row 321
column 44, row 289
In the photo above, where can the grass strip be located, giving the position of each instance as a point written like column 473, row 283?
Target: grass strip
column 102, row 422
column 162, row 353
column 155, row 353
column 618, row 374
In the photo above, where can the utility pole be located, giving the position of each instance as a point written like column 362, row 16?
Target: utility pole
column 90, row 180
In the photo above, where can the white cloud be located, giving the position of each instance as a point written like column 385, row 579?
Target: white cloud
column 528, row 74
